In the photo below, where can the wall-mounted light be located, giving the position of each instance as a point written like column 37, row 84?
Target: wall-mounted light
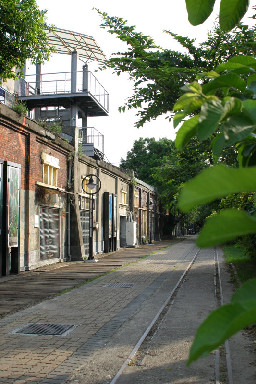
column 91, row 184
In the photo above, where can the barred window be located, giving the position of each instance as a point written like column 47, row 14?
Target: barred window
column 50, row 175
column 123, row 197
column 50, row 169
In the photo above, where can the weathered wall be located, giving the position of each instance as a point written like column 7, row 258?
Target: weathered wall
column 22, row 141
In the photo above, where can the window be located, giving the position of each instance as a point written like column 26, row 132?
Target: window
column 84, row 203
column 50, row 175
column 50, row 170
column 136, row 199
column 144, row 224
column 123, row 197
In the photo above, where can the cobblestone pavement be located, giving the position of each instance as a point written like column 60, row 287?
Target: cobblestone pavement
column 95, row 309
column 109, row 315
column 28, row 288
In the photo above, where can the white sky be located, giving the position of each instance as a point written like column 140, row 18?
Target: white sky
column 150, row 18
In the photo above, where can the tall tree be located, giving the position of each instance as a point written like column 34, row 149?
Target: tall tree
column 22, row 36
column 146, row 155
column 223, row 107
column 158, row 74
column 159, row 163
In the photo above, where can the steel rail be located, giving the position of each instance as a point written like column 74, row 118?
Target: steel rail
column 145, row 334
column 226, row 344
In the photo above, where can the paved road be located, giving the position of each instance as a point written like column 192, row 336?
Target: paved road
column 28, row 288
column 109, row 316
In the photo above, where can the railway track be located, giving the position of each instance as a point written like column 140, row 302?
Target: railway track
column 131, row 359
column 223, row 364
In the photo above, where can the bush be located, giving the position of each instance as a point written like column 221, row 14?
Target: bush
column 55, row 126
column 20, row 108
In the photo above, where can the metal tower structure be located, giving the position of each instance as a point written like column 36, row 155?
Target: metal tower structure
column 69, row 96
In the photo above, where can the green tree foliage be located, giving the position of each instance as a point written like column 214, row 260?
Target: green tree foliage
column 146, row 156
column 22, row 36
column 227, row 113
column 177, row 167
column 158, row 74
column 231, row 12
column 221, row 108
column 226, row 321
column 224, row 108
column 159, row 163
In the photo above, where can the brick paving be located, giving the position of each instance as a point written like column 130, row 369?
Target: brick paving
column 28, row 288
column 97, row 311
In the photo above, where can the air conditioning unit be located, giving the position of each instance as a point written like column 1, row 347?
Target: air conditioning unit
column 131, row 234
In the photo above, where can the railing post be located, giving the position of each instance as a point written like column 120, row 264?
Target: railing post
column 74, row 59
column 38, row 78
column 38, row 88
column 23, row 82
column 85, row 78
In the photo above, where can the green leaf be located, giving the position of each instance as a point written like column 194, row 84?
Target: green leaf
column 212, row 74
column 241, row 68
column 246, row 292
column 186, row 132
column 250, row 107
column 252, row 87
column 188, row 100
column 209, row 119
column 225, row 226
column 231, row 12
column 195, row 87
column 218, row 143
column 216, row 182
column 179, row 116
column 225, row 321
column 236, row 128
column 199, row 10
column 247, row 152
column 251, row 79
column 244, row 60
column 230, row 80
column 231, row 105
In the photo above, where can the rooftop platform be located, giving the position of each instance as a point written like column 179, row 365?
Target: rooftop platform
column 54, row 89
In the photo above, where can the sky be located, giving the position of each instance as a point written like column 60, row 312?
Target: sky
column 150, row 18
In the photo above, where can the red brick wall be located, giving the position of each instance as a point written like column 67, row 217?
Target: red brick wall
column 37, row 146
column 13, row 148
column 16, row 142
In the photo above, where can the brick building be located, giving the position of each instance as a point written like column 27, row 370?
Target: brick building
column 58, row 203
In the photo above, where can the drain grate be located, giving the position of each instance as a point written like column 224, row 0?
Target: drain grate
column 119, row 285
column 45, row 329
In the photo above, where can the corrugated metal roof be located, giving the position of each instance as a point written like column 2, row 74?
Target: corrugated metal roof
column 66, row 42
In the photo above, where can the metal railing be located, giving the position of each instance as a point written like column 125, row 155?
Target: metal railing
column 60, row 82
column 6, row 97
column 90, row 135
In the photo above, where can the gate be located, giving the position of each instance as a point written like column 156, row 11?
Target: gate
column 49, row 233
column 84, row 217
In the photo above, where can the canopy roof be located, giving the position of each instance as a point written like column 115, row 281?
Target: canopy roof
column 67, row 41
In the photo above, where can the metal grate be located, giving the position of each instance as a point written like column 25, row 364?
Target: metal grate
column 45, row 329
column 119, row 285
